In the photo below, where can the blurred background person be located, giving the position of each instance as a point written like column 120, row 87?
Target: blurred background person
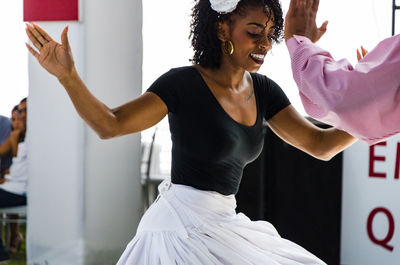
column 14, row 186
column 6, row 126
column 5, row 129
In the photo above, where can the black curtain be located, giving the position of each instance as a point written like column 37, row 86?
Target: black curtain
column 300, row 195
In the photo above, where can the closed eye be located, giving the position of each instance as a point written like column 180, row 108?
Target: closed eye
column 254, row 35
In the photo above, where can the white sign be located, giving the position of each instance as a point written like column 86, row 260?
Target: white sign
column 371, row 204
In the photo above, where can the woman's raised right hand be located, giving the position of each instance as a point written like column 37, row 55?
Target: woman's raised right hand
column 56, row 58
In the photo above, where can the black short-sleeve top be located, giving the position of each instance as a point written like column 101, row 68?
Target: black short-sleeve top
column 209, row 148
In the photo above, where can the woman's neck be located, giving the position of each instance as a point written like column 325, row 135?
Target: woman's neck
column 227, row 76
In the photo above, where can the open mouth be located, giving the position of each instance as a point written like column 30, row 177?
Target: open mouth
column 258, row 57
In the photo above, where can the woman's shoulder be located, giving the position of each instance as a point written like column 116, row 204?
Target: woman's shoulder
column 272, row 98
column 260, row 77
column 176, row 76
column 266, row 87
column 182, row 71
column 263, row 82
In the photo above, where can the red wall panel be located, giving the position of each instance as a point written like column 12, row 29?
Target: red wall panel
column 50, row 10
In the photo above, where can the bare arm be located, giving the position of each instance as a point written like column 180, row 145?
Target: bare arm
column 134, row 116
column 294, row 129
column 11, row 144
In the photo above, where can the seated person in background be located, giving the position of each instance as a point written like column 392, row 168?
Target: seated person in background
column 363, row 100
column 13, row 190
column 5, row 128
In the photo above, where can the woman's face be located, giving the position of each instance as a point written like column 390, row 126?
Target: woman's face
column 252, row 38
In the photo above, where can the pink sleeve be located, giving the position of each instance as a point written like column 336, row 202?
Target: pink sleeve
column 363, row 100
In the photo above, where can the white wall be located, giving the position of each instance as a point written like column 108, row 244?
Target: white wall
column 14, row 57
column 84, row 193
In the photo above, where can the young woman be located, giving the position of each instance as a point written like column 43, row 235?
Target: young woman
column 216, row 108
column 14, row 183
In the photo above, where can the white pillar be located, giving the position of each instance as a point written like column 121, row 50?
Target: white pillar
column 114, row 71
column 84, row 193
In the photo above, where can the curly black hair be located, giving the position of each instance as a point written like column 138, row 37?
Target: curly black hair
column 203, row 28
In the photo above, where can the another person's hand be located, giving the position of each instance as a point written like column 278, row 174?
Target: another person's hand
column 15, row 134
column 56, row 58
column 300, row 20
column 361, row 54
column 14, row 137
column 2, row 178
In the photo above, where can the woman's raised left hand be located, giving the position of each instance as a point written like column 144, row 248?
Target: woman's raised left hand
column 55, row 57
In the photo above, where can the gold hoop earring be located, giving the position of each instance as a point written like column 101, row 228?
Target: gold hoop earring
column 228, row 47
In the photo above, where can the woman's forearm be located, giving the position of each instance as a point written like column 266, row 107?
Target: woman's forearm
column 332, row 141
column 96, row 114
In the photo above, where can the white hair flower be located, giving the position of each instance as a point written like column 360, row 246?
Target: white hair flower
column 224, row 6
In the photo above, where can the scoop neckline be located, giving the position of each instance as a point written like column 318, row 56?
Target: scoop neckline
column 219, row 105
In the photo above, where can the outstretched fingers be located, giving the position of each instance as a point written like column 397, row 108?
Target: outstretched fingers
column 309, row 3
column 315, row 5
column 292, row 5
column 364, row 51
column 321, row 31
column 300, row 20
column 43, row 33
column 292, row 8
column 361, row 54
column 359, row 57
column 64, row 38
column 32, row 51
column 323, row 27
column 33, row 39
column 303, row 6
column 37, row 37
column 296, row 5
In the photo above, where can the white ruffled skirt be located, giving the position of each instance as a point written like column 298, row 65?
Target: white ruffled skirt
column 186, row 226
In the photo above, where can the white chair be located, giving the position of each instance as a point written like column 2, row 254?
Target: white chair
column 5, row 219
column 148, row 187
